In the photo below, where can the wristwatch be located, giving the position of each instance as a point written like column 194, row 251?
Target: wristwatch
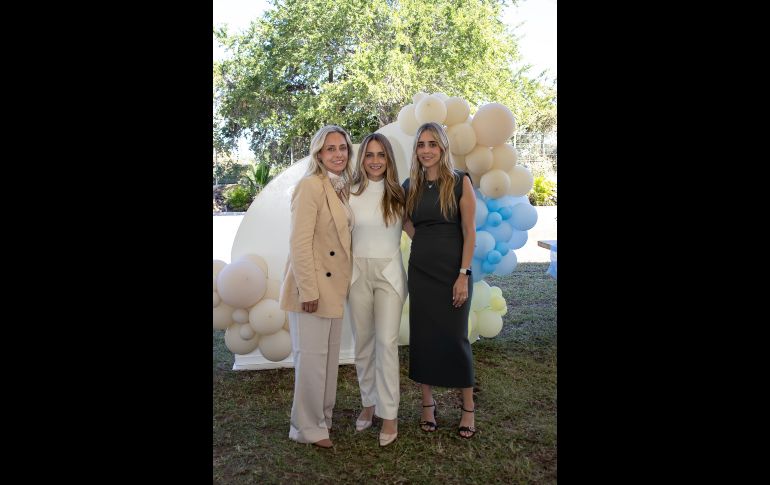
column 466, row 271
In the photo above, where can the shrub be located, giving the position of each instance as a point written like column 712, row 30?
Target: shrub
column 228, row 171
column 238, row 198
column 543, row 192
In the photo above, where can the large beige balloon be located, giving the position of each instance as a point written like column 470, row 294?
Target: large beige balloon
column 490, row 323
column 494, row 124
column 273, row 290
column 457, row 110
column 479, row 160
column 258, row 260
column 458, row 161
column 247, row 333
column 266, row 317
column 241, row 284
column 462, row 138
column 236, row 343
column 430, row 108
column 217, row 300
column 495, row 183
column 223, row 316
column 504, row 157
column 406, row 120
column 275, row 347
column 521, row 181
column 218, row 265
column 241, row 315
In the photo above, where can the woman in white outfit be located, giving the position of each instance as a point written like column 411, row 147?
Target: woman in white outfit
column 378, row 285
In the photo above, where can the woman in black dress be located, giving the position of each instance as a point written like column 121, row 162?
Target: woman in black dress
column 440, row 219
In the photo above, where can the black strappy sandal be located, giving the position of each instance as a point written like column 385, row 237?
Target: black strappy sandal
column 432, row 426
column 467, row 429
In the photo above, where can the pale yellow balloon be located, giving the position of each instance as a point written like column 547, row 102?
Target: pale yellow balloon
column 521, row 181
column 457, row 110
column 407, row 121
column 430, row 108
column 504, row 157
column 481, row 295
column 458, row 161
column 403, row 329
column 275, row 347
column 217, row 300
column 247, row 333
column 223, row 316
column 273, row 290
column 497, row 303
column 474, row 335
column 266, row 317
column 462, row 138
column 495, row 290
column 218, row 265
column 472, row 323
column 490, row 323
column 495, row 183
column 494, row 124
column 418, row 97
column 240, row 315
column 479, row 160
column 241, row 284
column 256, row 259
column 236, row 344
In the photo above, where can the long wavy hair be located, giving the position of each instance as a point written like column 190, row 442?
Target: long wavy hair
column 446, row 178
column 393, row 197
column 315, row 167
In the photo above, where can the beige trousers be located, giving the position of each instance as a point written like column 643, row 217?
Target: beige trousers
column 375, row 315
column 315, row 344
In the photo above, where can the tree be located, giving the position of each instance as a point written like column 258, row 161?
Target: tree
column 355, row 63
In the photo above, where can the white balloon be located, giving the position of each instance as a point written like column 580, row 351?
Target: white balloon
column 521, row 181
column 418, row 97
column 218, row 265
column 240, row 315
column 217, row 300
column 241, row 284
column 430, row 108
column 441, row 96
column 266, row 317
column 223, row 316
column 504, row 157
column 457, row 110
column 462, row 139
column 273, row 290
column 256, row 259
column 479, row 160
column 494, row 124
column 236, row 343
column 495, row 183
column 275, row 347
column 407, row 121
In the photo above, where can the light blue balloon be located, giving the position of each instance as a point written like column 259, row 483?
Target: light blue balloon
column 500, row 233
column 502, row 248
column 505, row 212
column 518, row 239
column 494, row 256
column 506, row 265
column 484, row 243
column 478, row 273
column 524, row 217
column 494, row 219
column 507, row 201
column 493, row 205
column 488, row 267
column 481, row 213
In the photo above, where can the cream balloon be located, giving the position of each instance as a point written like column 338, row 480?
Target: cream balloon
column 218, row 265
column 521, row 181
column 479, row 160
column 241, row 284
column 462, row 138
column 418, row 97
column 223, row 316
column 240, row 315
column 275, row 347
column 273, row 290
column 494, row 124
column 458, row 161
column 256, row 259
column 246, row 332
column 430, row 109
column 266, row 317
column 504, row 157
column 441, row 96
column 490, row 323
column 495, row 183
column 236, row 343
column 457, row 110
column 407, row 121
column 217, row 300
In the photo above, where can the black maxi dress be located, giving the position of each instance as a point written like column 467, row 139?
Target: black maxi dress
column 439, row 350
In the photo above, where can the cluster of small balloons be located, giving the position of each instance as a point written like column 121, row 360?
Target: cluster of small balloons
column 246, row 308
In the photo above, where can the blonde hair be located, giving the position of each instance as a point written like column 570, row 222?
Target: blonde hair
column 446, row 178
column 393, row 197
column 315, row 167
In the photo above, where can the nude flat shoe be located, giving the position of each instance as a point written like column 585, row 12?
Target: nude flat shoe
column 386, row 439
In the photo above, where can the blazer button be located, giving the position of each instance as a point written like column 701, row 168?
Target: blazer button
column 328, row 274
column 331, row 253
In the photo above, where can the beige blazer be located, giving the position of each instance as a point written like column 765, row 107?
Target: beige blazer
column 320, row 256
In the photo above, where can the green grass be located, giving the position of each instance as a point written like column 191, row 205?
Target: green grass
column 515, row 395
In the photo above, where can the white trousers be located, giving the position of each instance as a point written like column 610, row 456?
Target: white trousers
column 375, row 316
column 315, row 344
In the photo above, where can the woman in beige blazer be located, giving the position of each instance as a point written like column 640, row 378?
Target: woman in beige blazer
column 317, row 281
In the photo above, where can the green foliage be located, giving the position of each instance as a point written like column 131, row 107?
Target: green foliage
column 228, row 171
column 543, row 192
column 257, row 176
column 238, row 198
column 356, row 63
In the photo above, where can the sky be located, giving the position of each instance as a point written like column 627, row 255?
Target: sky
column 537, row 32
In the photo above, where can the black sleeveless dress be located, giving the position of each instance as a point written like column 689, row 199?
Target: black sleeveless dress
column 439, row 351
